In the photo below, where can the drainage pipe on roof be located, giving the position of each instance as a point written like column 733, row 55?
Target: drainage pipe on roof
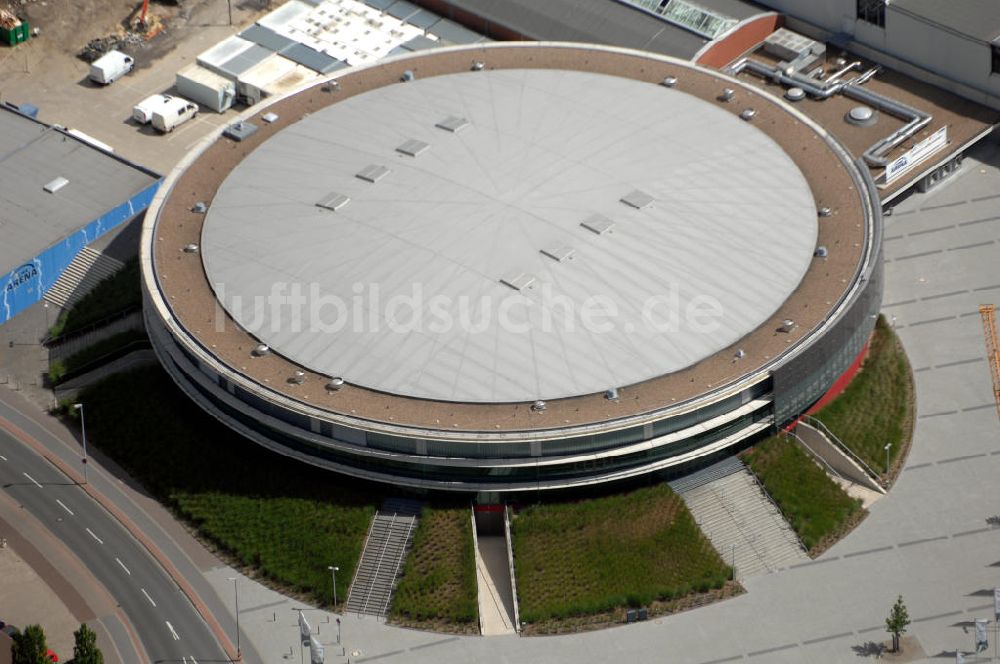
column 875, row 155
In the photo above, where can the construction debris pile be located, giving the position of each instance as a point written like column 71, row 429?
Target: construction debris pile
column 123, row 41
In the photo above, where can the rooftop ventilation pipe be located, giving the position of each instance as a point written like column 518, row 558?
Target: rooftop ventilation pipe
column 875, row 155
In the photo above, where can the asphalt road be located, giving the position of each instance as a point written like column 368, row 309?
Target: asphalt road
column 168, row 625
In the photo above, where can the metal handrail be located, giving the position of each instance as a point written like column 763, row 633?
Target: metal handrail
column 381, row 555
column 59, row 340
column 812, row 421
column 510, row 564
column 357, row 570
column 399, row 561
column 816, row 456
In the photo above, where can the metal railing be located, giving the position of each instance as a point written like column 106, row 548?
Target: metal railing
column 378, row 566
column 817, row 424
column 357, row 570
column 399, row 561
column 510, row 564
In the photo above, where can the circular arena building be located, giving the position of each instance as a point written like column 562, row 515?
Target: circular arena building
column 514, row 266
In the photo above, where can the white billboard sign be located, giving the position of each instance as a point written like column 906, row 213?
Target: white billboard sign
column 916, row 154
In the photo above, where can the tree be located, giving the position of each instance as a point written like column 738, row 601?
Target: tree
column 896, row 623
column 28, row 646
column 85, row 650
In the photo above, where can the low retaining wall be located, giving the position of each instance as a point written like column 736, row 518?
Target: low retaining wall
column 818, row 445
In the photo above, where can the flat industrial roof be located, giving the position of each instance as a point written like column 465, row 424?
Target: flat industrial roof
column 33, row 154
column 533, row 184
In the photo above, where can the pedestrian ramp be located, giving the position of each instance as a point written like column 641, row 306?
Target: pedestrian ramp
column 740, row 520
column 388, row 542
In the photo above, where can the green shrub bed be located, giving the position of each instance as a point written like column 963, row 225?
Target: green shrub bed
column 877, row 407
column 115, row 294
column 284, row 519
column 106, row 349
column 592, row 556
column 439, row 578
column 815, row 506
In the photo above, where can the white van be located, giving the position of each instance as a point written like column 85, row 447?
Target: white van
column 176, row 111
column 143, row 111
column 110, row 67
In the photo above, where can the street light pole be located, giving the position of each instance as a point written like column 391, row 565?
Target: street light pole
column 83, row 431
column 333, row 571
column 887, row 446
column 236, row 591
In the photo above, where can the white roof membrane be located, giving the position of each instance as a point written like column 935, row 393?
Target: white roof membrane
column 439, row 281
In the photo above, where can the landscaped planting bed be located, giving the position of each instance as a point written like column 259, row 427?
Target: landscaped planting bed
column 815, row 506
column 877, row 407
column 438, row 587
column 282, row 519
column 117, row 293
column 598, row 555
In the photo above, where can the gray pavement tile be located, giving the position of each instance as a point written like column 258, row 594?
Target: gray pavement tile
column 827, row 638
column 770, row 650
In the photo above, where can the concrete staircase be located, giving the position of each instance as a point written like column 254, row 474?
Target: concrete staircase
column 388, row 542
column 733, row 511
column 88, row 269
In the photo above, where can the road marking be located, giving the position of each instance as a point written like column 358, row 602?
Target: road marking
column 172, row 631
column 3, row 457
column 148, row 597
column 63, row 505
column 123, row 566
column 193, row 660
column 32, row 479
column 99, row 540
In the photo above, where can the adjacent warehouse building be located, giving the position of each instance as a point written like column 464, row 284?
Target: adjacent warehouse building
column 513, row 267
column 58, row 194
column 954, row 45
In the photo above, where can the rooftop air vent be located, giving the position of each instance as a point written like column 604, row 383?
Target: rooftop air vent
column 269, row 117
column 669, row 82
column 200, row 207
column 861, row 116
column 787, row 326
column 453, row 123
column 612, row 394
column 821, row 252
column 727, row 94
column 598, row 223
column 795, row 94
column 331, row 86
column 517, row 280
column 747, row 114
column 241, row 130
column 740, row 354
column 538, row 407
column 478, row 65
column 637, row 199
column 559, row 252
column 56, row 185
column 824, row 212
column 261, row 350
column 372, row 173
column 335, row 384
column 407, row 76
column 191, row 248
column 333, row 201
column 412, row 147
column 297, row 378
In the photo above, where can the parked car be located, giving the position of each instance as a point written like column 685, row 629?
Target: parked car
column 175, row 112
column 110, row 67
column 143, row 111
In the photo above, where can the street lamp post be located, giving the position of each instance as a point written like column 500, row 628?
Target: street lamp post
column 887, row 446
column 236, row 591
column 333, row 571
column 338, row 631
column 83, row 431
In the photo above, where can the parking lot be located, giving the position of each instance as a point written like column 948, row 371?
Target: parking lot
column 45, row 73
